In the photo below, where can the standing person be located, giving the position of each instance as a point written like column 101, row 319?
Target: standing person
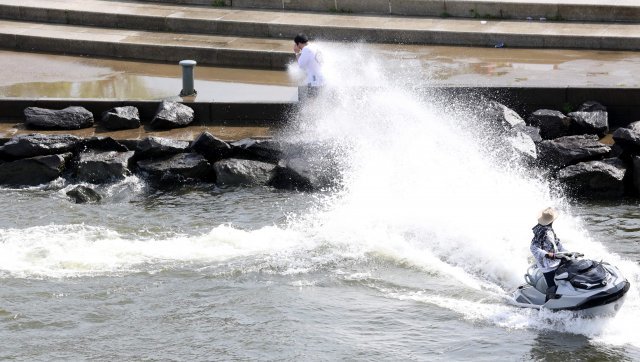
column 310, row 61
column 544, row 245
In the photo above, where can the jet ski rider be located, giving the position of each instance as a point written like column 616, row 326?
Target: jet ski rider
column 544, row 245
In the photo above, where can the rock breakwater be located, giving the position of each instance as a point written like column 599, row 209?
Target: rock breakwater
column 576, row 150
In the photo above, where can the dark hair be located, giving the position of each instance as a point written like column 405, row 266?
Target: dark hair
column 301, row 38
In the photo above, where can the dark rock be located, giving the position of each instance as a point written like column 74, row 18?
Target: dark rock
column 68, row 118
column 635, row 160
column 121, row 118
column 570, row 150
column 591, row 106
column 522, row 144
column 32, row 145
column 617, row 151
column 102, row 167
column 260, row 150
column 634, row 126
column 160, row 147
column 596, row 179
column 211, row 147
column 552, row 124
column 502, row 116
column 272, row 150
column 180, row 168
column 129, row 144
column 589, row 123
column 303, row 175
column 102, row 144
column 307, row 166
column 628, row 138
column 533, row 132
column 232, row 172
column 287, row 179
column 33, row 171
column 83, row 195
column 172, row 115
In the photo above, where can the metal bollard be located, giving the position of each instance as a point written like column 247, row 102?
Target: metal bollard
column 187, row 78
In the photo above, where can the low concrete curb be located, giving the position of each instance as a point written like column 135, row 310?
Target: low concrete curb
column 231, row 114
column 622, row 104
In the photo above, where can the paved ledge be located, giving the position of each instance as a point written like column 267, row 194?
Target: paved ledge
column 622, row 104
column 572, row 10
column 163, row 47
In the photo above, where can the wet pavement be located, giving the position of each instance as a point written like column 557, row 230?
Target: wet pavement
column 34, row 75
column 444, row 65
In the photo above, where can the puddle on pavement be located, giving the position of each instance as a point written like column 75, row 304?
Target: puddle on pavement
column 34, row 75
column 133, row 86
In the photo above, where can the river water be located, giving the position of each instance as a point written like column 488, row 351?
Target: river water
column 410, row 258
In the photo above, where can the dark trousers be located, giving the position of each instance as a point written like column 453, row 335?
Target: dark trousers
column 312, row 92
column 548, row 276
column 551, row 285
column 306, row 93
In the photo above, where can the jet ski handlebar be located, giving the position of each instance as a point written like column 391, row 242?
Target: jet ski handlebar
column 568, row 255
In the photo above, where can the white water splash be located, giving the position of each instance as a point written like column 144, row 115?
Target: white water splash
column 421, row 188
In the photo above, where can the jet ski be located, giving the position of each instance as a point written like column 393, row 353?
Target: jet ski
column 587, row 287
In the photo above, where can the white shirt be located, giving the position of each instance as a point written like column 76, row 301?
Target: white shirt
column 310, row 61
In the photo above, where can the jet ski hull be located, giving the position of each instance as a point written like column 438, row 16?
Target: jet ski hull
column 603, row 305
column 600, row 300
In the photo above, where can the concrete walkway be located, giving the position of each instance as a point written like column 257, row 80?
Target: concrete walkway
column 261, row 39
column 572, row 10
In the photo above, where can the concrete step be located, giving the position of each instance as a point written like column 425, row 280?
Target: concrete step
column 571, row 10
column 144, row 45
column 266, row 27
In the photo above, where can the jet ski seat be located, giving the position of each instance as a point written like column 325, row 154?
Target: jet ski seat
column 584, row 274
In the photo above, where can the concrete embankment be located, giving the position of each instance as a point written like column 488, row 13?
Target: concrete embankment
column 262, row 38
column 622, row 104
column 232, row 114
